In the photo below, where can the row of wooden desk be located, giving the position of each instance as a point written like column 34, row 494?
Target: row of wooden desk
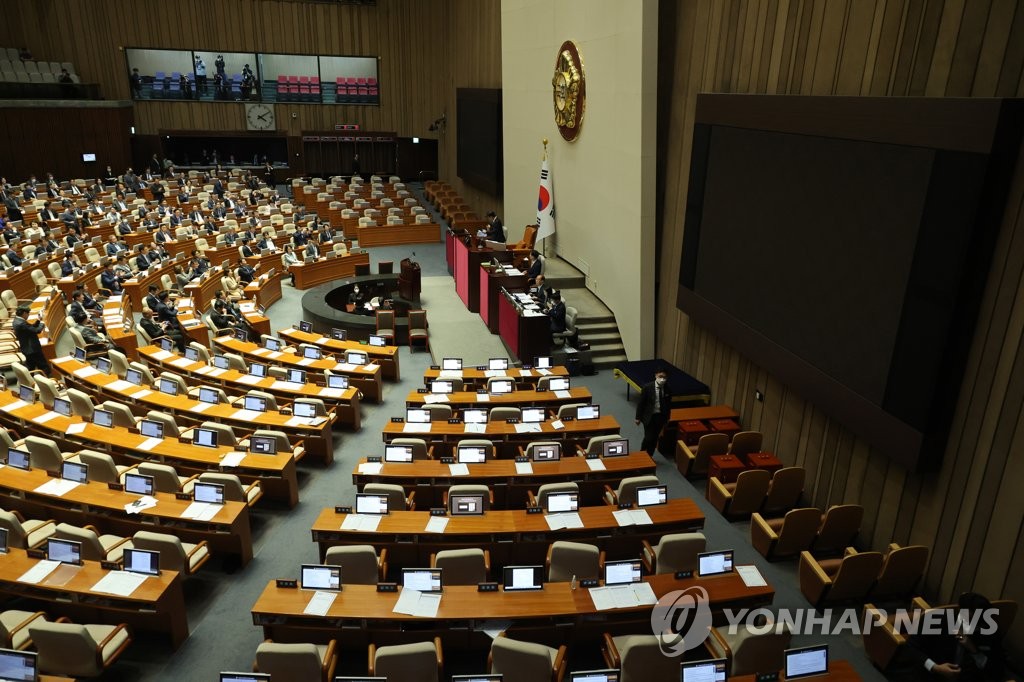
column 475, row 378
column 550, row 400
column 390, row 235
column 386, row 356
column 310, row 274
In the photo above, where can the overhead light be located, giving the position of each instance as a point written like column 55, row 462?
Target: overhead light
column 415, row 140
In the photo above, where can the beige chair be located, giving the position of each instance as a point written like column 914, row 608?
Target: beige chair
column 840, row 526
column 95, row 547
column 421, row 662
column 463, row 566
column 236, row 362
column 749, row 651
column 501, row 414
column 745, row 443
column 785, row 537
column 902, row 570
column 420, row 450
column 742, row 498
column 830, row 581
column 386, row 325
column 673, row 553
column 234, row 489
column 171, row 428
column 201, row 350
column 360, row 564
column 47, row 390
column 439, row 412
column 123, row 416
column 24, row 376
column 14, row 628
column 178, row 380
column 44, row 453
column 596, row 444
column 567, row 559
column 541, row 498
column 784, row 491
column 639, row 658
column 397, row 499
column 225, row 434
column 118, row 362
column 625, row 493
column 165, row 478
column 271, row 400
column 694, row 462
column 25, row 533
column 77, row 650
column 102, row 468
column 418, row 329
column 518, row 661
column 283, row 444
column 81, row 404
column 307, row 662
column 175, row 555
column 470, row 489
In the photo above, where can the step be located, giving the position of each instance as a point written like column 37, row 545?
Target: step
column 597, row 327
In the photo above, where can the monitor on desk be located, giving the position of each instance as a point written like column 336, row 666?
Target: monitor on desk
column 221, row 362
column 710, row 670
column 241, row 335
column 255, row 403
column 346, row 678
column 339, row 381
column 320, row 577
column 451, row 364
column 27, row 394
column 523, row 578
column 607, row 675
column 166, row 345
column 168, row 386
column 338, row 334
column 534, row 415
column 3, row 541
column 19, row 459
column 311, row 353
column 206, row 438
column 101, row 417
column 209, row 395
column 18, row 666
column 422, row 579
column 466, row 504
column 62, row 406
column 377, row 341
column 244, row 677
column 371, row 503
column 104, row 365
column 497, row 364
column 806, row 661
column 356, row 358
column 142, row 561
column 547, row 452
column 559, row 384
column 615, row 448
column 472, row 454
column 563, row 502
column 210, row 493
column 272, row 343
column 651, row 495
column 415, row 415
column 139, row 484
column 79, row 353
column 542, row 362
column 263, row 445
column 501, row 386
column 296, row 376
column 64, row 551
column 442, row 386
column 304, row 409
column 133, row 376
column 714, row 563
column 258, row 369
column 74, row 471
column 474, row 415
column 623, row 572
column 397, row 453
column 584, row 412
column 478, row 678
column 191, row 354
column 306, row 327
column 151, row 428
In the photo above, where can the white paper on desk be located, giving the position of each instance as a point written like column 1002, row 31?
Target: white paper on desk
column 623, row 517
column 563, row 394
column 436, row 524
column 332, row 392
column 206, row 369
column 44, row 417
column 141, row 504
column 216, row 371
column 76, row 428
column 372, row 468
column 16, row 405
column 305, row 361
column 564, row 520
column 299, row 421
column 38, row 573
column 200, row 511
column 524, row 468
column 181, row 362
column 279, row 385
column 557, row 424
column 494, row 373
column 345, row 367
column 120, row 385
column 640, row 517
column 139, row 395
column 322, row 341
column 260, row 351
column 232, row 459
column 528, row 428
column 483, row 397
column 526, row 372
column 320, row 604
column 246, row 415
column 543, row 372
column 200, row 406
column 432, row 398
column 371, row 367
column 533, row 313
column 450, row 374
column 162, row 354
column 415, row 428
column 121, row 583
column 602, row 598
column 475, row 428
column 86, row 371
column 596, row 465
column 274, row 354
column 149, row 444
column 58, row 487
column 644, row 594
column 419, row 604
column 751, row 576
column 458, row 469
column 363, row 522
column 249, row 379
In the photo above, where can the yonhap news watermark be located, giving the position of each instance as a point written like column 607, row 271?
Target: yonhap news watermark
column 683, row 618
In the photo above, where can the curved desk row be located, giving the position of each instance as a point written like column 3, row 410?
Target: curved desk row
column 386, row 356
column 460, row 400
column 474, row 378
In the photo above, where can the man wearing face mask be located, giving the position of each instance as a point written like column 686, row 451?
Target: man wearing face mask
column 653, row 409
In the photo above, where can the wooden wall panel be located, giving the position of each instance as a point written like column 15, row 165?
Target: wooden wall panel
column 970, row 513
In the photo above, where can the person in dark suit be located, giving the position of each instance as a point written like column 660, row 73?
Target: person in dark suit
column 557, row 313
column 13, row 258
column 653, row 409
column 28, row 339
column 152, row 299
column 543, row 291
column 536, row 265
column 47, row 213
column 247, row 251
column 141, row 260
column 113, row 246
column 76, row 310
column 155, row 329
column 30, row 190
column 68, row 265
column 495, row 230
column 110, row 280
column 312, row 251
column 246, row 273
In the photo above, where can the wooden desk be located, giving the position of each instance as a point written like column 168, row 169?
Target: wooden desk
column 430, row 478
column 309, row 275
column 203, row 290
column 764, row 460
column 137, row 287
column 280, row 611
column 492, row 281
column 266, row 291
column 505, row 437
column 366, row 380
column 94, row 503
column 468, row 259
column 461, row 400
column 316, row 437
column 158, row 605
column 386, row 356
column 344, row 405
column 390, row 235
column 276, row 473
column 726, row 468
column 86, row 277
column 474, row 378
column 838, row 671
column 525, row 336
column 690, row 423
column 513, row 536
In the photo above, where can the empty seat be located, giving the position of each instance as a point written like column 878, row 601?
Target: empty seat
column 77, row 650
column 567, row 559
column 640, row 658
column 469, row 566
column 360, row 564
column 625, row 493
column 749, row 650
column 397, row 499
column 520, row 661
column 308, row 662
column 673, row 553
column 420, row 662
column 785, row 537
column 694, row 462
column 848, row 579
column 741, row 498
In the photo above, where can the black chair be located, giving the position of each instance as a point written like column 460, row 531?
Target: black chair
column 385, row 267
column 363, row 269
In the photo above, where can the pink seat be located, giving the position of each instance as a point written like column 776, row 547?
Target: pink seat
column 363, row 91
column 293, row 80
column 371, row 81
column 373, row 92
column 303, row 80
column 361, row 81
column 314, row 80
column 282, row 79
column 293, row 89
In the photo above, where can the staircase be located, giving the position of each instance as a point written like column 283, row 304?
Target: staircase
column 595, row 322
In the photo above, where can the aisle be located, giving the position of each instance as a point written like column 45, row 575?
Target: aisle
column 454, row 331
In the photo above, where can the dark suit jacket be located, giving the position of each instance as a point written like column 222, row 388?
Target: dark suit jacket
column 535, row 269
column 142, row 261
column 77, row 312
column 110, row 281
column 28, row 335
column 495, row 232
column 557, row 315
column 645, row 407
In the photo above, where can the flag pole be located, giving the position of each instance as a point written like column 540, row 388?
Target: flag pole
column 544, row 240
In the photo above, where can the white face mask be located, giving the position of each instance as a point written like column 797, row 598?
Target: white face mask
column 659, row 380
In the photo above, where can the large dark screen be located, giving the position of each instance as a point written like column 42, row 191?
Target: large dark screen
column 479, row 153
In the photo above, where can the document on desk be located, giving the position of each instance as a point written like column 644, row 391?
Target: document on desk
column 526, row 372
column 632, row 517
column 200, row 511
column 557, row 425
column 205, row 370
column 494, row 373
column 139, row 395
column 623, row 596
column 432, row 398
column 16, row 405
column 217, row 371
column 436, row 524
column 524, row 468
column 38, row 573
column 162, row 355
column 596, row 465
column 320, row 604
column 366, row 523
column 533, row 313
column 298, row 421
column 232, row 459
column 87, row 371
column 345, row 367
column 564, row 520
column 143, row 503
column 260, row 351
column 182, row 362
column 409, row 427
column 200, row 407
column 494, row 628
column 274, row 354
column 751, row 576
column 371, row 367
column 44, row 417
column 58, row 487
column 120, row 385
column 564, row 395
column 246, row 415
column 544, row 372
column 323, row 341
column 305, row 361
column 475, row 428
column 149, row 444
column 371, row 468
column 76, row 428
column 458, row 469
column 120, row 583
column 483, row 397
column 450, row 374
column 249, row 379
column 327, row 392
column 527, row 428
column 419, row 604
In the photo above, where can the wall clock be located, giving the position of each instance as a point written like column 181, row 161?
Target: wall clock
column 259, row 117
column 569, row 91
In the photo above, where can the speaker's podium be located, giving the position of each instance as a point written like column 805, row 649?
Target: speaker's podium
column 576, row 360
column 409, row 286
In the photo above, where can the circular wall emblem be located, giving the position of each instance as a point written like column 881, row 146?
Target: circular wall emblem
column 569, row 91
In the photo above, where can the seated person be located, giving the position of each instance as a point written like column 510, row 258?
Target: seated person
column 76, row 310
column 155, row 329
column 246, row 273
column 110, row 280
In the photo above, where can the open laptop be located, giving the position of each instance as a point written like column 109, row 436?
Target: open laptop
column 303, row 409
column 3, row 541
column 133, row 376
column 104, row 365
column 651, row 495
column 221, row 362
column 257, row 369
column 101, row 417
column 615, row 448
column 338, row 334
column 806, row 661
column 558, row 384
column 441, row 386
column 165, row 385
column 74, row 471
column 355, row 358
column 306, row 327
column 296, row 376
column 27, row 394
column 474, row 416
column 397, row 453
column 563, row 502
column 501, row 387
column 547, row 452
column 710, row 670
column 498, row 677
column 451, row 363
column 623, row 572
column 166, row 345
column 415, row 415
column 523, row 578
column 79, row 353
column 151, row 428
column 607, row 675
column 191, row 354
column 244, row 677
column 241, row 335
column 18, row 666
column 534, row 415
column 62, row 406
column 206, row 438
column 142, row 561
column 255, row 403
column 209, row 395
column 263, row 445
column 377, row 341
column 139, row 484
column 339, row 381
column 422, row 579
column 64, row 551
column 272, row 344
column 210, row 493
column 370, row 503
column 584, row 412
column 344, row 678
column 496, row 364
column 714, row 563
column 466, row 504
column 19, row 459
column 542, row 362
column 311, row 353
column 471, row 454
column 320, row 577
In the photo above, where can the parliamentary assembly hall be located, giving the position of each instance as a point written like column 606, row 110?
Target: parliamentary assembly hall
column 511, row 340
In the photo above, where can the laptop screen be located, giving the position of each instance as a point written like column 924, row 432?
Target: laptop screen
column 142, row 561
column 64, row 551
column 244, row 677
column 547, row 452
column 368, row 503
column 133, row 376
column 472, row 454
column 208, row 395
column 204, row 437
column 417, row 416
column 397, row 453
column 558, row 384
column 311, row 353
column 478, row 678
column 595, row 676
column 474, row 416
column 342, row 678
column 74, row 471
column 422, row 579
column 806, row 661
column 221, row 362
column 167, row 386
column 211, row 493
column 103, row 365
column 303, row 409
column 441, row 387
column 27, row 394
column 306, row 327
column 272, row 344
column 62, row 406
column 615, row 448
column 241, row 335
column 714, row 563
column 192, row 354
column 497, row 364
column 588, row 412
column 297, row 376
column 3, row 541
column 622, row 572
column 79, row 353
column 377, row 341
column 466, row 504
column 151, row 429
column 356, row 358
column 542, row 362
column 534, row 415
column 319, row 577
column 711, row 670
column 103, row 417
column 337, row 381
column 263, row 445
column 501, row 387
column 451, row 363
column 18, row 666
column 518, row 578
column 255, row 403
column 19, row 459
column 139, row 484
column 651, row 495
column 338, row 334
column 166, row 345
column 258, row 369
column 563, row 502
